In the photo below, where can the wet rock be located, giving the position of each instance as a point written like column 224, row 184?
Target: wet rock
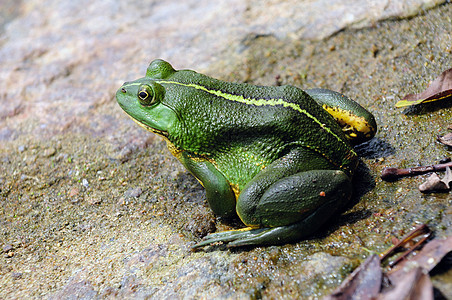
column 76, row 290
column 322, row 271
column 201, row 225
column 319, row 19
column 323, row 263
column 194, row 277
column 152, row 257
column 7, row 134
column 49, row 152
column 85, row 183
column 8, row 250
column 73, row 192
column 62, row 62
column 7, row 247
column 133, row 192
column 16, row 275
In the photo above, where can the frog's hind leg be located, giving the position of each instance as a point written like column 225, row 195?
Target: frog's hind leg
column 356, row 122
column 292, row 208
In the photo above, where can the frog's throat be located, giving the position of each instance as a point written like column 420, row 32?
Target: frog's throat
column 148, row 128
column 176, row 152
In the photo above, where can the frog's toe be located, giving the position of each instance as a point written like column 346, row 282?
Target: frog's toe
column 268, row 236
column 233, row 238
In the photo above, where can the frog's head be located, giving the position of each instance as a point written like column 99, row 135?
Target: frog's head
column 144, row 99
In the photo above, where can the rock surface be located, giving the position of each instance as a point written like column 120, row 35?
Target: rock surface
column 93, row 207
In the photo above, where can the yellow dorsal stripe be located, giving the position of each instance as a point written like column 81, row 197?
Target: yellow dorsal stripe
column 257, row 102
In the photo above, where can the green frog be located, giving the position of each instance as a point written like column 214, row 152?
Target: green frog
column 278, row 157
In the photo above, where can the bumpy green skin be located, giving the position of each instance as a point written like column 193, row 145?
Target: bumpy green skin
column 271, row 155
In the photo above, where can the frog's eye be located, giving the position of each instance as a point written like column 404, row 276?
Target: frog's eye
column 146, row 95
column 150, row 94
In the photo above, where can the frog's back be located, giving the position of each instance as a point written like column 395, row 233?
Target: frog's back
column 277, row 118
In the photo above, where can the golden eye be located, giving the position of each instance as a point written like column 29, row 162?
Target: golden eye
column 146, row 95
column 150, row 94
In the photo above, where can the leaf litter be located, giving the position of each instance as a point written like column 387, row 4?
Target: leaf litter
column 407, row 277
column 438, row 89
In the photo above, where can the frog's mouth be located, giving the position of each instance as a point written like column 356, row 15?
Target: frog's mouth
column 149, row 128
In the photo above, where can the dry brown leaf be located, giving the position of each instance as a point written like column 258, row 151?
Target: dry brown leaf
column 409, row 279
column 415, row 285
column 446, row 139
column 440, row 88
column 427, row 258
column 363, row 283
column 435, row 184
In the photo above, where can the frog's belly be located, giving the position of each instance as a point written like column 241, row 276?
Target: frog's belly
column 239, row 166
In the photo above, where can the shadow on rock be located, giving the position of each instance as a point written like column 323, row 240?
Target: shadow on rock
column 375, row 148
column 428, row 107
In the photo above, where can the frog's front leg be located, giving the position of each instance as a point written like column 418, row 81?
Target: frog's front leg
column 219, row 194
column 285, row 203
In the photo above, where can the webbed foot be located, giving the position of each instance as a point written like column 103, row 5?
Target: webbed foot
column 260, row 236
column 236, row 238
